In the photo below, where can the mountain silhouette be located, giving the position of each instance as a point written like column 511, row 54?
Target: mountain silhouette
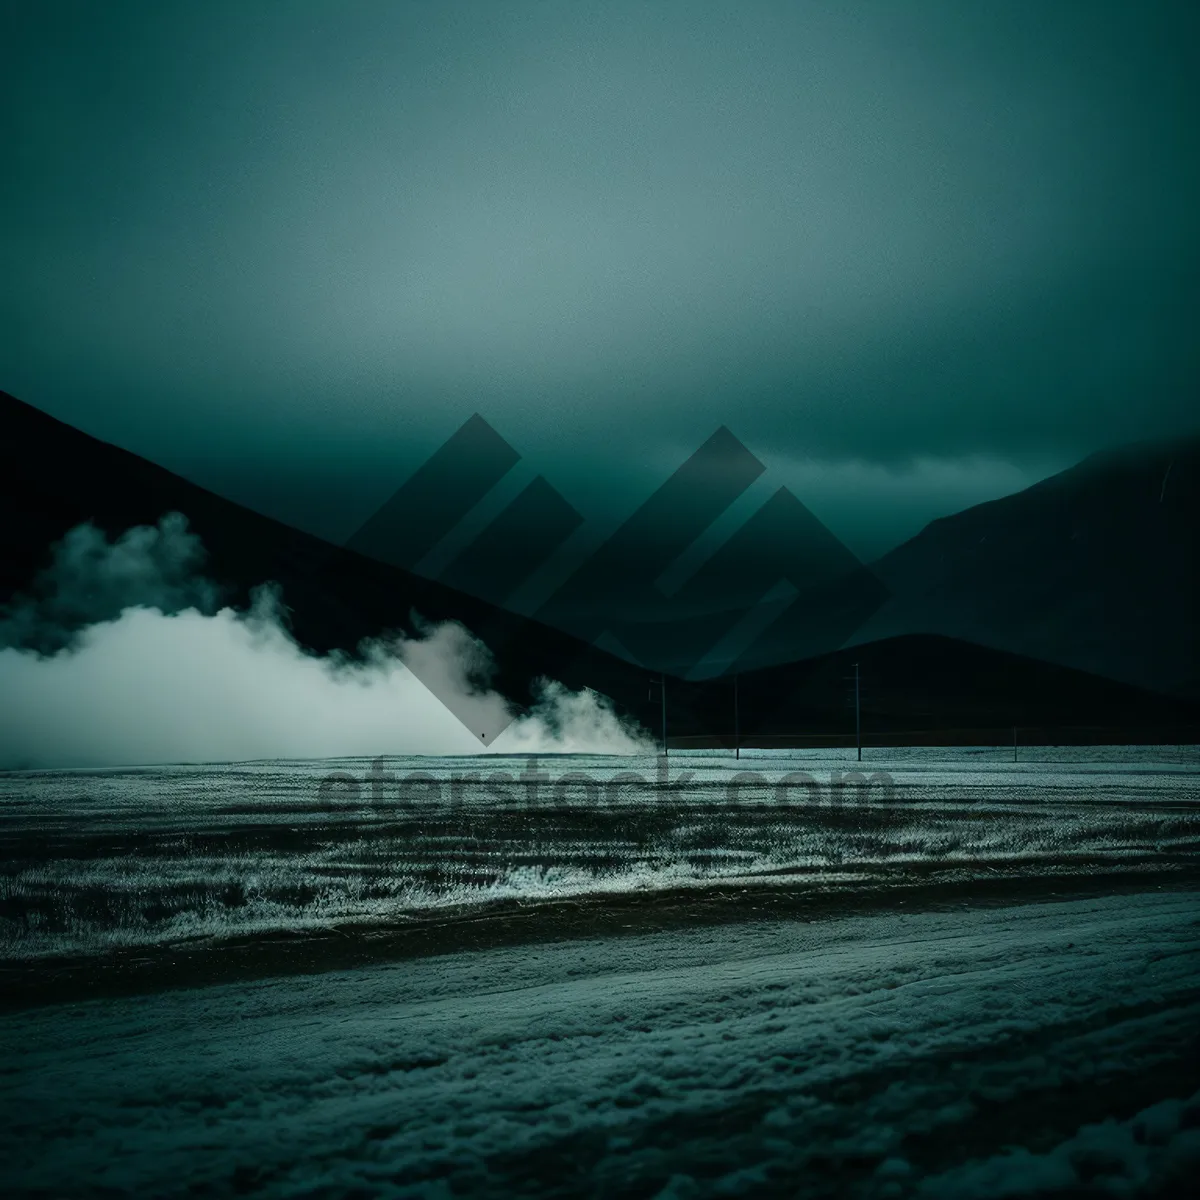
column 1096, row 568
column 927, row 687
column 54, row 477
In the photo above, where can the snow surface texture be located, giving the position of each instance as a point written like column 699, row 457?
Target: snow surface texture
column 1044, row 1049
column 94, row 859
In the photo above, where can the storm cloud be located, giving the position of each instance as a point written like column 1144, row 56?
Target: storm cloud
column 288, row 249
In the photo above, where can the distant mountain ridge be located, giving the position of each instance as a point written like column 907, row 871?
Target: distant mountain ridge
column 915, row 685
column 53, row 477
column 1097, row 567
column 1094, row 568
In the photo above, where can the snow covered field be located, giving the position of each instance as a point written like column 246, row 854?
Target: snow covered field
column 951, row 976
column 94, row 860
column 1043, row 1049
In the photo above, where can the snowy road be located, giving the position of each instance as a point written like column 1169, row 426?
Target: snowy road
column 877, row 1056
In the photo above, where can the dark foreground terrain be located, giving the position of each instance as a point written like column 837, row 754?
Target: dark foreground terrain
column 1027, row 1049
column 980, row 980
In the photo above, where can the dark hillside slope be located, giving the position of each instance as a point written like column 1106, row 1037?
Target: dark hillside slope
column 53, row 477
column 1097, row 568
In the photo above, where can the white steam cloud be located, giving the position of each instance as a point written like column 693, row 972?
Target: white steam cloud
column 120, row 656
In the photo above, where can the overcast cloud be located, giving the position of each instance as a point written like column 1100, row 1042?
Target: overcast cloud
column 288, row 249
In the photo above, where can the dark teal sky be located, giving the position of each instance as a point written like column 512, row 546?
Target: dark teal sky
column 914, row 254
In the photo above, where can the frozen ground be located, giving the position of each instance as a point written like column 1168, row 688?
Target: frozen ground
column 1045, row 1049
column 92, row 861
column 179, row 1017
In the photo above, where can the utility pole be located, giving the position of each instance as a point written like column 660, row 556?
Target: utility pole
column 857, row 701
column 737, row 728
column 662, row 683
column 857, row 714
